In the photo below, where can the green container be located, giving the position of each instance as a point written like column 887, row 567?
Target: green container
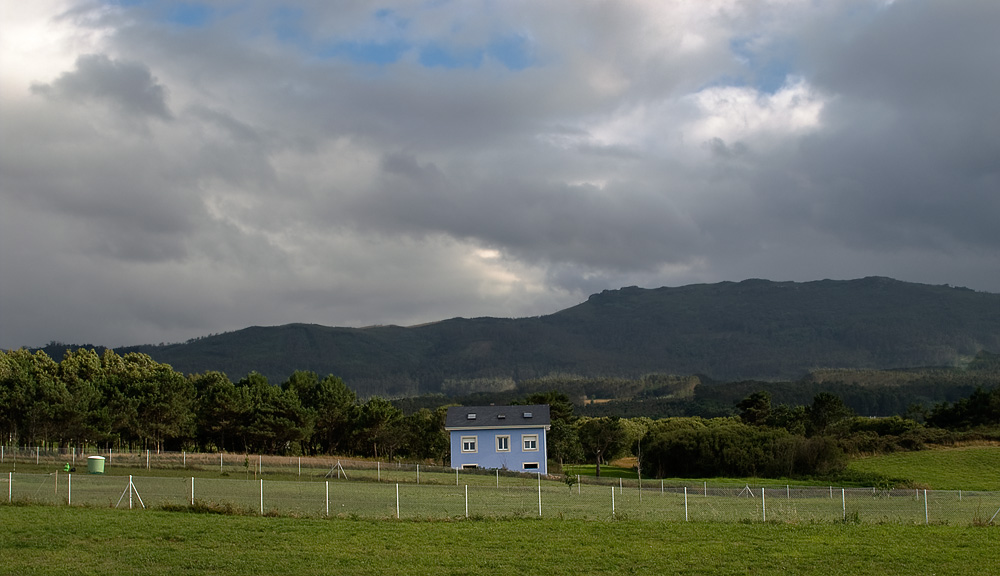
column 95, row 464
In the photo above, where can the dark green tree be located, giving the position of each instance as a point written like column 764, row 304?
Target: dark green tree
column 222, row 410
column 601, row 438
column 380, row 430
column 755, row 409
column 825, row 413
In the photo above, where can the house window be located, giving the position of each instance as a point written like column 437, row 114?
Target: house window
column 530, row 442
column 503, row 443
column 468, row 444
column 531, row 465
column 469, row 466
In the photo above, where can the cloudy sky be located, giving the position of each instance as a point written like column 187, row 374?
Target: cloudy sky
column 170, row 170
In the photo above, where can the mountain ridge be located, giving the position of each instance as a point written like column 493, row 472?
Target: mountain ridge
column 753, row 329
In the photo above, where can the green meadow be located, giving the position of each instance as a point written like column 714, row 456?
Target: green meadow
column 315, row 525
column 48, row 540
column 960, row 468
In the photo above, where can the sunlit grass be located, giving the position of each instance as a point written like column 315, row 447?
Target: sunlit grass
column 46, row 540
column 960, row 468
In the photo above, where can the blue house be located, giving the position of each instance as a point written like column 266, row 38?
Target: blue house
column 502, row 437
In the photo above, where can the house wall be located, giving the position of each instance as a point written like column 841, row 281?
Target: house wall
column 486, row 455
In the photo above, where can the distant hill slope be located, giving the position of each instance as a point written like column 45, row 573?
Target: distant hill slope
column 755, row 329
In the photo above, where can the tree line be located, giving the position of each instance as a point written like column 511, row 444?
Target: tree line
column 132, row 401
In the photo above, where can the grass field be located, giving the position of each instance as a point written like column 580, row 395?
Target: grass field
column 46, row 540
column 962, row 468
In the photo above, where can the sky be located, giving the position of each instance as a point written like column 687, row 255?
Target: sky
column 170, row 170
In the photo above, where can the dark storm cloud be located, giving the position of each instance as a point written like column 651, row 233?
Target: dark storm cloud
column 185, row 173
column 129, row 86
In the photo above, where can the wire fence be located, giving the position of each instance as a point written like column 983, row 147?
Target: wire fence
column 508, row 497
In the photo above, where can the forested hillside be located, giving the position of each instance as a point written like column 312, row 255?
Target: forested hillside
column 751, row 330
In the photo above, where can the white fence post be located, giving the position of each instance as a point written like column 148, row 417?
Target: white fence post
column 763, row 505
column 418, row 473
column 261, row 496
column 397, row 500
column 539, row 494
column 466, row 500
column 843, row 500
column 327, row 497
column 69, row 490
column 685, row 503
column 192, row 490
column 926, row 517
column 10, row 487
column 612, row 501
column 456, row 478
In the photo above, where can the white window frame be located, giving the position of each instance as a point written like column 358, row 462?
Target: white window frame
column 530, row 466
column 505, row 438
column 470, row 466
column 529, row 438
column 466, row 440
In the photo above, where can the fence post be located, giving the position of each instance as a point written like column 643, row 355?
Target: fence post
column 418, row 473
column 69, row 490
column 843, row 499
column 327, row 497
column 192, row 490
column 261, row 496
column 10, row 487
column 378, row 467
column 220, row 462
column 300, row 466
column 612, row 501
column 498, row 477
column 466, row 500
column 539, row 494
column 456, row 478
column 397, row 500
column 926, row 517
column 685, row 503
column 706, row 489
column 763, row 505
column 184, row 458
column 38, row 455
column 147, row 458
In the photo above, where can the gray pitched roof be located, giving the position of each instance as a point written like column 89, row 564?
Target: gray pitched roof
column 530, row 415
